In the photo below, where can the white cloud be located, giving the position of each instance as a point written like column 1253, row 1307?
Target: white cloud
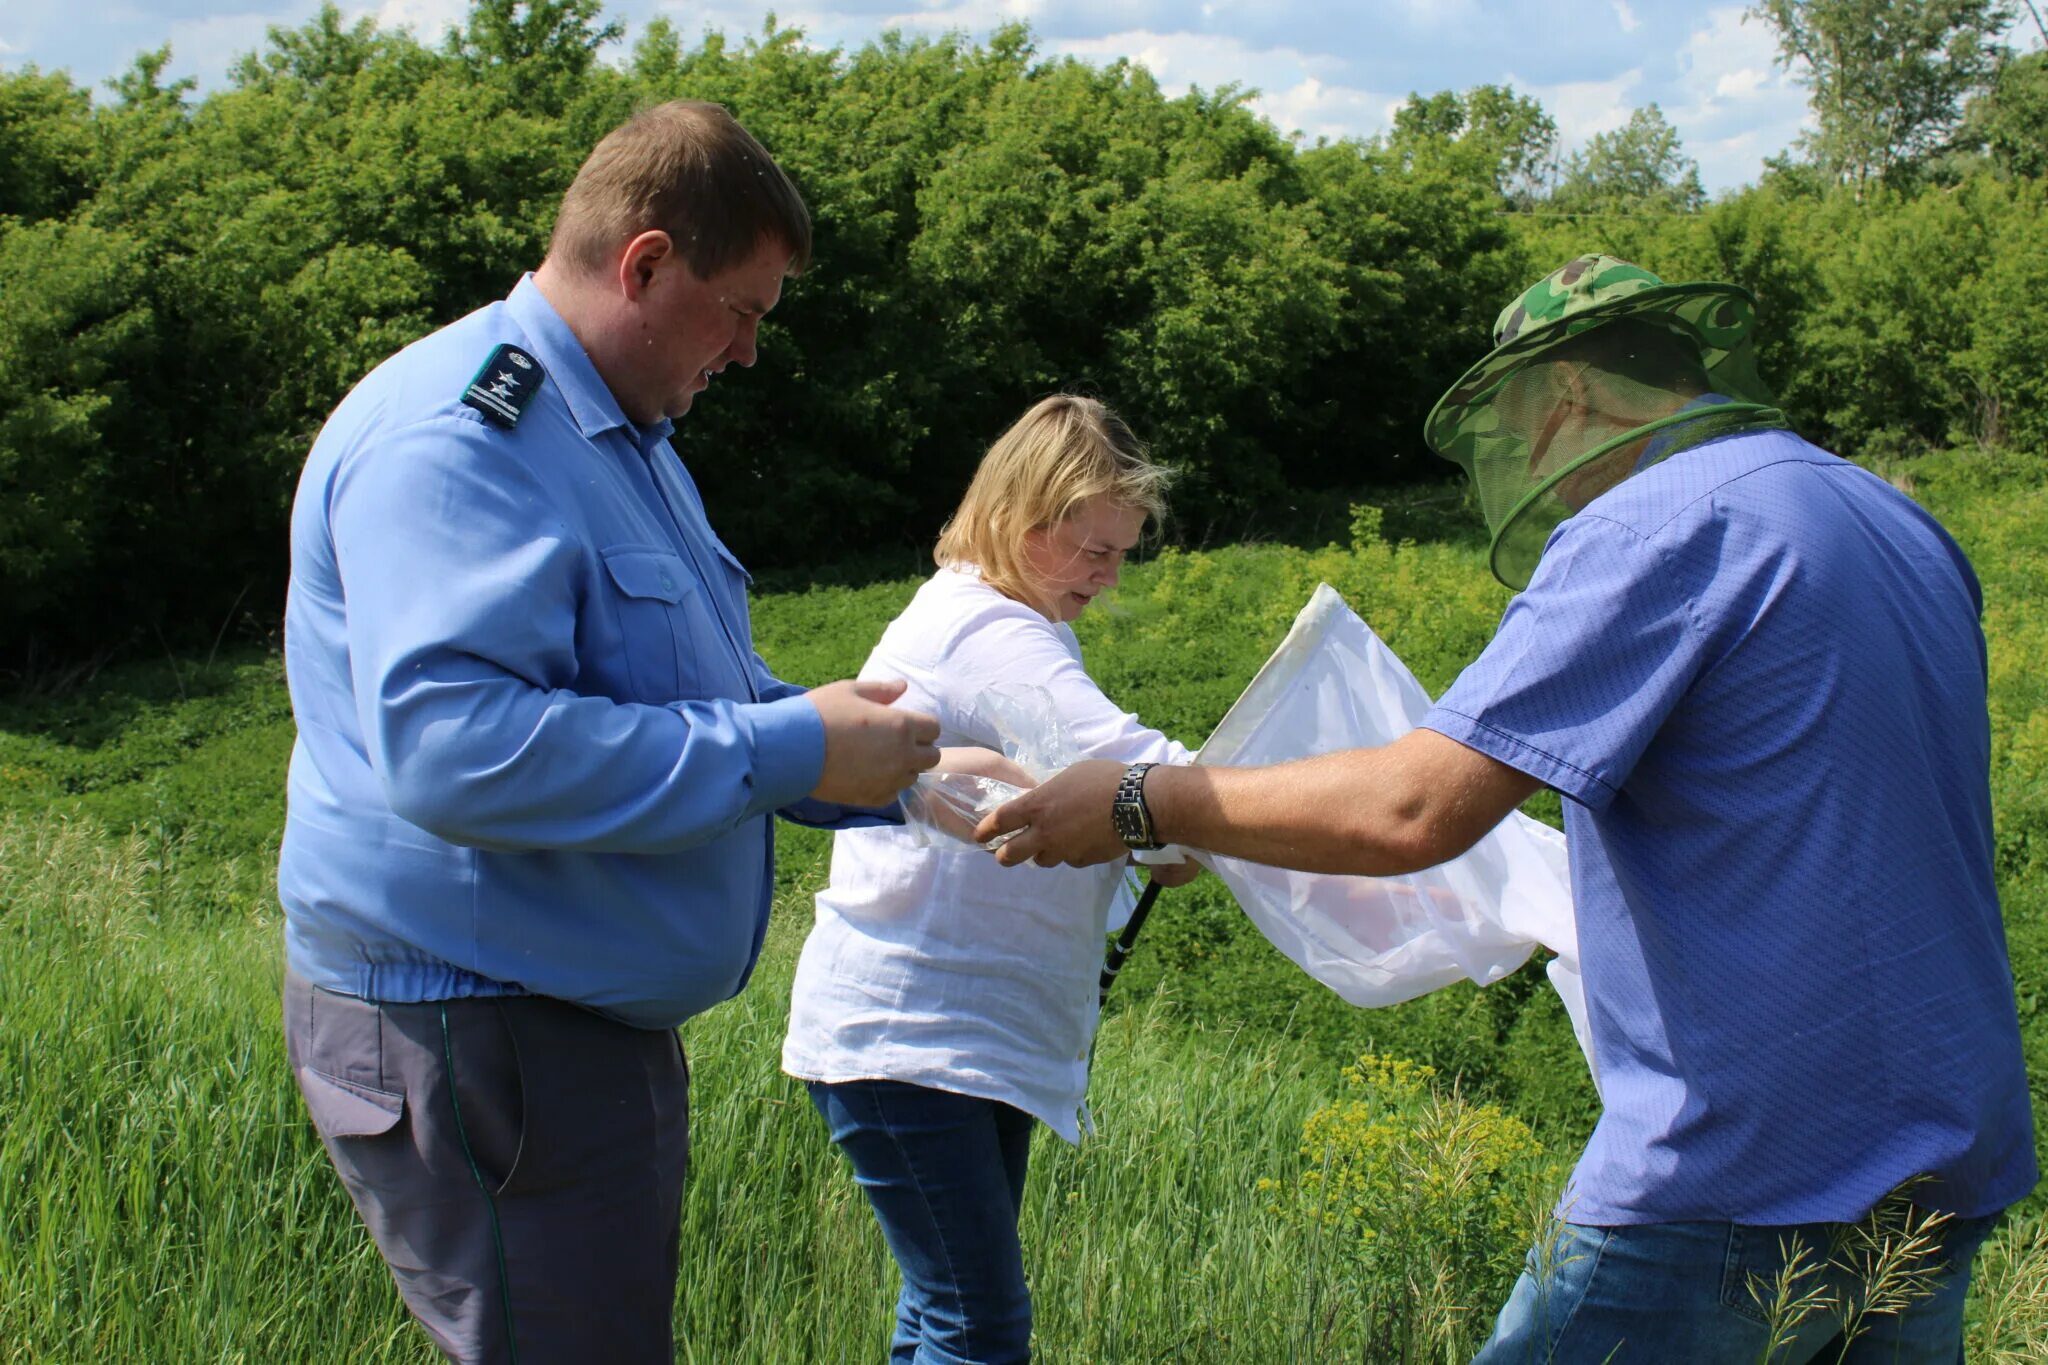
column 1179, row 60
column 1584, row 108
column 1626, row 17
column 1317, row 110
column 206, row 47
column 1440, row 14
column 1732, row 103
column 1740, row 85
column 428, row 19
column 930, row 17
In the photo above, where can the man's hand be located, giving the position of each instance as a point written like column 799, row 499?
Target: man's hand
column 1417, row 802
column 1064, row 821
column 872, row 750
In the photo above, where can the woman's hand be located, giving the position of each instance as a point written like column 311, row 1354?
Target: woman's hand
column 984, row 763
column 1170, row 875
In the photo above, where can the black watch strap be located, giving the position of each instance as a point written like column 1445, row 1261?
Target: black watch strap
column 1128, row 811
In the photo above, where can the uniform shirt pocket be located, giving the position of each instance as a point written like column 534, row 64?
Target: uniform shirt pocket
column 656, row 595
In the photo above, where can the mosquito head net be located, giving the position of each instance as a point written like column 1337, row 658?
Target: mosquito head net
column 1599, row 371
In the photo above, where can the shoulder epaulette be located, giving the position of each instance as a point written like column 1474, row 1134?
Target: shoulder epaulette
column 505, row 385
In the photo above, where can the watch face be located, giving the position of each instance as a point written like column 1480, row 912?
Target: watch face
column 1127, row 810
column 1130, row 821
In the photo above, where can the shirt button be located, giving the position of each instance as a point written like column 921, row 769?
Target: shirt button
column 667, row 584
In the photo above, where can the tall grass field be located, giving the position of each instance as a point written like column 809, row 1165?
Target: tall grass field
column 1277, row 1177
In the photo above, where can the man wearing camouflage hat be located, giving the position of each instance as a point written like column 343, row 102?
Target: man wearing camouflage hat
column 1756, row 672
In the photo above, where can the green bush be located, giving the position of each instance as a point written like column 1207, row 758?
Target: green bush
column 990, row 226
column 74, row 329
column 1430, row 1197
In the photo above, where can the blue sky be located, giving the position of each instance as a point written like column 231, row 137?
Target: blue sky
column 1323, row 68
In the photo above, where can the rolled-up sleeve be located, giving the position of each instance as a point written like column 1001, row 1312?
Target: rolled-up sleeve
column 462, row 582
column 1020, row 645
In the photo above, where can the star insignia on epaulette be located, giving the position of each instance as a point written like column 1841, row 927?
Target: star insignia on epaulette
column 503, row 386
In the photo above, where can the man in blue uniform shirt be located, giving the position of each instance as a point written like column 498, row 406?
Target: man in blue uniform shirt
column 1756, row 673
column 531, row 803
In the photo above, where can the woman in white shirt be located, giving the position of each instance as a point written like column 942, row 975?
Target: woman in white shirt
column 943, row 1003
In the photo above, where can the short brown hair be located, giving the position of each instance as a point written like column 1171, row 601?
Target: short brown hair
column 688, row 169
column 1064, row 451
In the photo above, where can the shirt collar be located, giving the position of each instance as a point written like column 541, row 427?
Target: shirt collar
column 1663, row 440
column 591, row 403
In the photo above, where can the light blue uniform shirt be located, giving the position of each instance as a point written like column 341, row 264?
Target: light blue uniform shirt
column 1756, row 671
column 537, row 752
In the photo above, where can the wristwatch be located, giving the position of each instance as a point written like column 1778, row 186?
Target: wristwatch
column 1129, row 813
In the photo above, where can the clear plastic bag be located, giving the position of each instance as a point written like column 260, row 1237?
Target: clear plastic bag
column 942, row 808
column 1334, row 684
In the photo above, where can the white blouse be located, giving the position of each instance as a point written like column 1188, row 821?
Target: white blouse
column 937, row 966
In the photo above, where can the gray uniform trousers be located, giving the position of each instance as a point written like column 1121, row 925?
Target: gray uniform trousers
column 519, row 1163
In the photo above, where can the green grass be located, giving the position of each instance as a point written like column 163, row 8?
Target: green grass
column 163, row 1198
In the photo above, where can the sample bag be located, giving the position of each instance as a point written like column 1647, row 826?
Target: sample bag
column 1017, row 719
column 1334, row 684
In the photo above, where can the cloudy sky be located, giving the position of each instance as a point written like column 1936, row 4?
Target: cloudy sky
column 1324, row 67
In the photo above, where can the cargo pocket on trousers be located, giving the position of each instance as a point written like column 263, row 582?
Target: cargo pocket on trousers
column 345, row 1109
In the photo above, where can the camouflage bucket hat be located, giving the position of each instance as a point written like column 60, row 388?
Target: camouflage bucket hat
column 1500, row 420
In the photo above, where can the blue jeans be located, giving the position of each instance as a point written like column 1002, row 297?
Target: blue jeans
column 1698, row 1294
column 945, row 1174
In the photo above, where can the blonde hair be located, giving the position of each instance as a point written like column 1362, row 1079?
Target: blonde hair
column 1064, row 451
column 688, row 169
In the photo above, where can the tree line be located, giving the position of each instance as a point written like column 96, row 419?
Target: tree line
column 188, row 285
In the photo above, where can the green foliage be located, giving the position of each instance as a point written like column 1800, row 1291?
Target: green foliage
column 1639, row 166
column 189, row 754
column 1508, row 138
column 990, row 227
column 2007, row 357
column 1889, row 77
column 75, row 328
column 164, row 1197
column 45, row 144
column 539, row 50
column 1897, row 321
column 190, row 285
column 2011, row 120
column 1996, row 503
column 1431, row 1198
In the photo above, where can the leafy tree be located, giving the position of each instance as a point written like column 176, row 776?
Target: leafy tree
column 1506, row 136
column 2010, row 121
column 2007, row 360
column 46, row 144
column 539, row 49
column 1640, row 165
column 323, row 62
column 1888, row 77
column 72, row 331
column 188, row 285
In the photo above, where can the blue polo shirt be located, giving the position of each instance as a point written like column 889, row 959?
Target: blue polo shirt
column 1756, row 672
column 536, row 752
